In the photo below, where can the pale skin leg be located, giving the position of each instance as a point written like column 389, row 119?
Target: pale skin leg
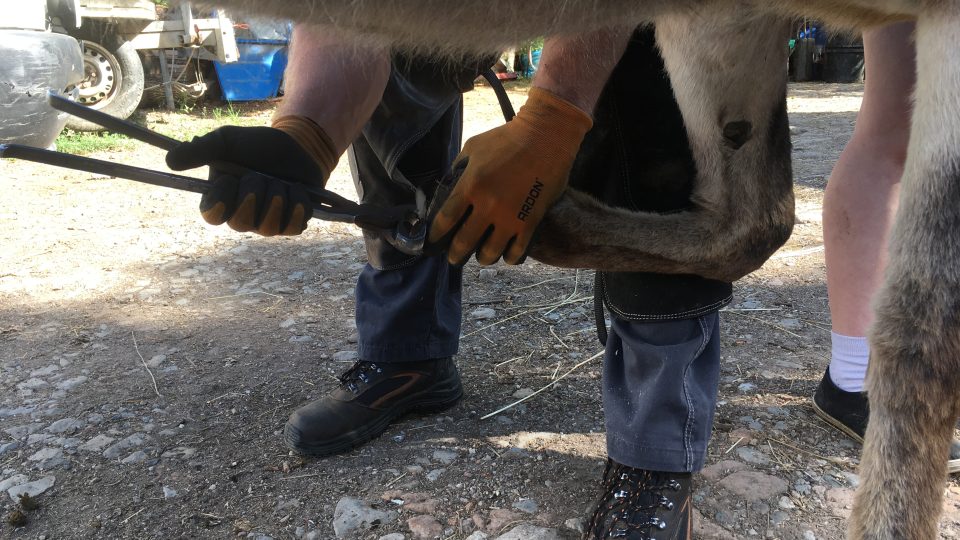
column 861, row 197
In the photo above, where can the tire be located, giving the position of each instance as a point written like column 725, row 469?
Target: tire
column 35, row 60
column 113, row 76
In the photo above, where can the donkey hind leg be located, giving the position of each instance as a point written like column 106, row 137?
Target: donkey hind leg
column 914, row 378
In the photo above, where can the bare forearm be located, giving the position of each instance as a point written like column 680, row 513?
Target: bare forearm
column 577, row 67
column 334, row 81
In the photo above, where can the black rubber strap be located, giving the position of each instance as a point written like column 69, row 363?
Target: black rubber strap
column 505, row 105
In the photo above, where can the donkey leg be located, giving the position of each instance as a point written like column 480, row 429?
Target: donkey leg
column 914, row 374
column 726, row 70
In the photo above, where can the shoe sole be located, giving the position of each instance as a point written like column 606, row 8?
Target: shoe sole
column 953, row 465
column 367, row 433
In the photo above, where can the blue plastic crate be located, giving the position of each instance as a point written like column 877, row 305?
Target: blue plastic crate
column 258, row 73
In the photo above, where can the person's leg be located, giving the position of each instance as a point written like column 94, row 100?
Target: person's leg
column 861, row 198
column 858, row 210
column 662, row 359
column 407, row 307
column 660, row 390
column 659, row 394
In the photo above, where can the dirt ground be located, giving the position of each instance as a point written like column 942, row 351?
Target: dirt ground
column 148, row 363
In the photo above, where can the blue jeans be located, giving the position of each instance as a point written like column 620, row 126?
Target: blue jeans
column 663, row 354
column 660, row 391
column 407, row 307
column 410, row 313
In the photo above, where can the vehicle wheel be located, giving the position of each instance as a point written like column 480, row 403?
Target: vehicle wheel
column 113, row 77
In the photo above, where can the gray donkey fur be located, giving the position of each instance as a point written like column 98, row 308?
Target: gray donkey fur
column 727, row 60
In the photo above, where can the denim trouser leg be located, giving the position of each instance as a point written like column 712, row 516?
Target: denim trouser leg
column 660, row 391
column 410, row 313
column 407, row 307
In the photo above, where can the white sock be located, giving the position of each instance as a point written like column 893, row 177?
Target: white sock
column 849, row 357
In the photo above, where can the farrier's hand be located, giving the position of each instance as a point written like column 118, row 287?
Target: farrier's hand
column 296, row 150
column 511, row 176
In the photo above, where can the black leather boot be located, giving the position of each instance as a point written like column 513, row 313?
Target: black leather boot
column 370, row 397
column 642, row 505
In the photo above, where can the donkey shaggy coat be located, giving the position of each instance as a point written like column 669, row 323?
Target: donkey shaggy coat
column 727, row 61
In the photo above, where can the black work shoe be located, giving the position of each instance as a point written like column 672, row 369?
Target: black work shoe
column 642, row 505
column 849, row 412
column 846, row 411
column 369, row 398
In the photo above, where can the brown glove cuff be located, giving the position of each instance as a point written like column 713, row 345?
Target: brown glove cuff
column 554, row 126
column 314, row 140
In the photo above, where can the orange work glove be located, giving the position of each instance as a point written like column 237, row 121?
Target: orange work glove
column 511, row 176
column 295, row 150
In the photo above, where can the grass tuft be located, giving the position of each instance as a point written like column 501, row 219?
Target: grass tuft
column 81, row 143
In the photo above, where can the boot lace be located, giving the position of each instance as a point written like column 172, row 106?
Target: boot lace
column 359, row 375
column 631, row 501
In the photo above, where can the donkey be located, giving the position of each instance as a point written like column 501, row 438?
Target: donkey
column 727, row 61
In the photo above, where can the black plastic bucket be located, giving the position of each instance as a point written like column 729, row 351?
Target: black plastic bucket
column 843, row 60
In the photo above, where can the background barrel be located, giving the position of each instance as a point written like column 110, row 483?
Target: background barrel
column 843, row 60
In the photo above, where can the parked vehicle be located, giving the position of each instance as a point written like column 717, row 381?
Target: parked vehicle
column 117, row 36
column 34, row 60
